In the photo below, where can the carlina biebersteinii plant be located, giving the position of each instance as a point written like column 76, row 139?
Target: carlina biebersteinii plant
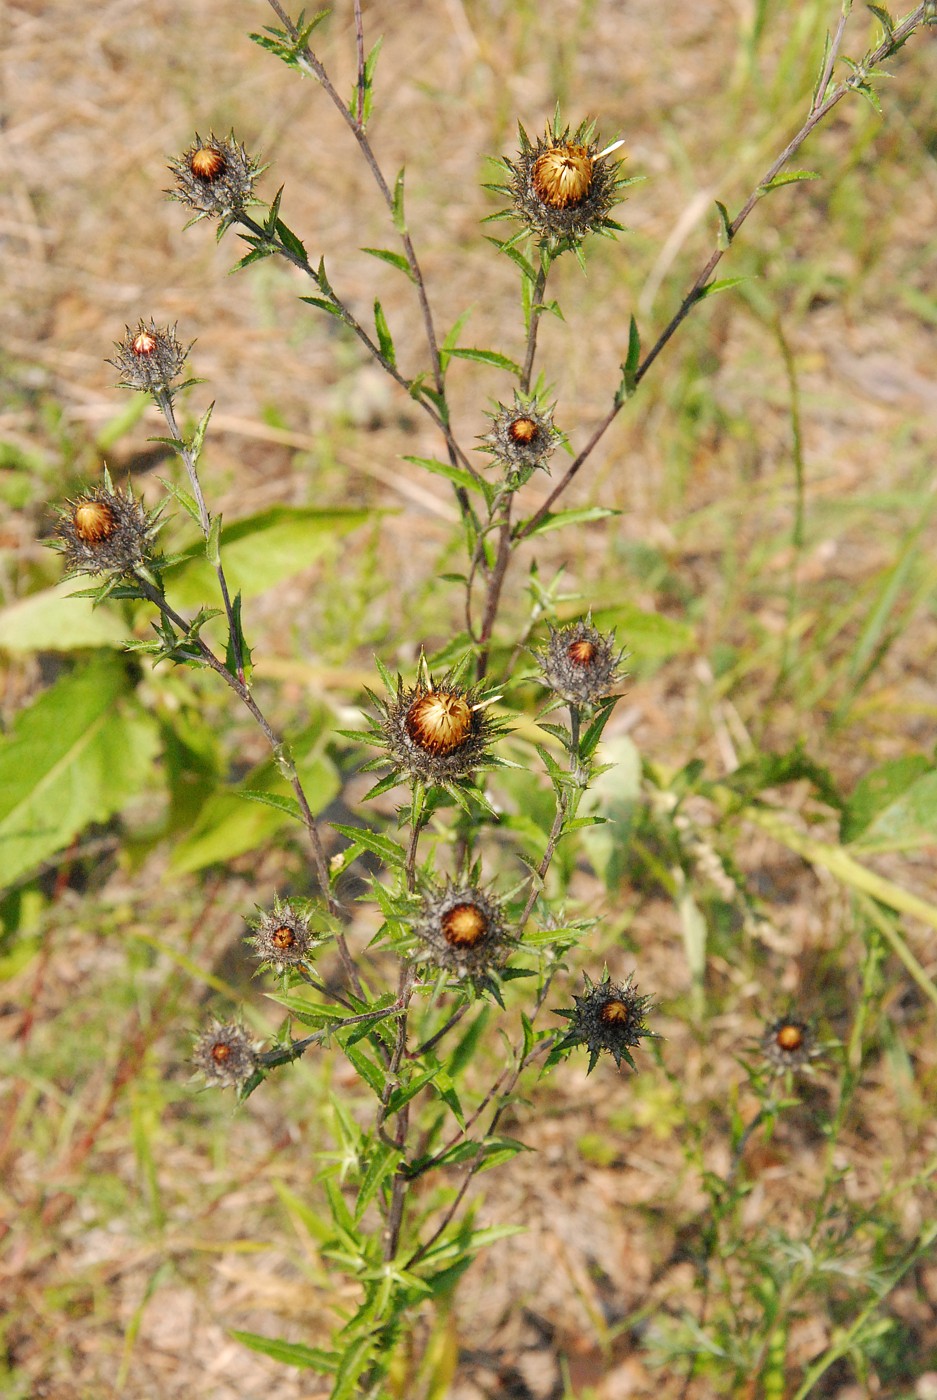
column 461, row 929
column 282, row 937
column 609, row 1017
column 224, row 1055
column 150, row 359
column 580, row 664
column 521, row 439
column 106, row 531
column 215, row 178
column 789, row 1044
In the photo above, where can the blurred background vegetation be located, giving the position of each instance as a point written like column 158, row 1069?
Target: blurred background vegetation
column 771, row 571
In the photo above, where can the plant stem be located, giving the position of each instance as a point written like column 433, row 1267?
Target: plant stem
column 535, row 314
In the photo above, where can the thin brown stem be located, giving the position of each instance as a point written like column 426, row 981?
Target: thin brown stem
column 495, row 585
column 359, row 49
column 535, row 314
column 398, row 1193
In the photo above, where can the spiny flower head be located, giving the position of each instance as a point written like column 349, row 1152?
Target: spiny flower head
column 562, row 187
column 789, row 1044
column 460, row 928
column 438, row 731
column 580, row 664
column 215, row 178
column 105, row 531
column 282, row 937
column 150, row 358
column 608, row 1017
column 225, row 1055
column 521, row 438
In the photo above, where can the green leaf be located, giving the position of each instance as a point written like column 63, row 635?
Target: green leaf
column 884, row 19
column 400, row 222
column 894, row 808
column 263, row 550
column 384, row 337
column 629, row 369
column 292, row 242
column 55, row 620
column 371, row 1073
column 457, row 474
column 395, row 259
column 452, row 339
column 487, row 357
column 712, row 288
column 724, row 236
column 324, row 305
column 291, row 1353
column 556, row 520
column 212, row 543
column 389, row 850
column 406, row 1092
column 382, row 1165
column 787, row 177
column 645, row 634
column 227, row 825
column 75, row 756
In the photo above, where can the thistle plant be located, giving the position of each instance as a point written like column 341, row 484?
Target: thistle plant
column 460, row 933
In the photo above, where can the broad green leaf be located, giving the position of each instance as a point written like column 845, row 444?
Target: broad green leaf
column 712, row 288
column 80, row 751
column 263, row 550
column 227, row 825
column 556, row 520
column 645, row 634
column 395, row 259
column 486, row 357
column 457, row 474
column 894, row 808
column 52, row 620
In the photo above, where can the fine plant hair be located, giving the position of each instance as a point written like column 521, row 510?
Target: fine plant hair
column 475, row 938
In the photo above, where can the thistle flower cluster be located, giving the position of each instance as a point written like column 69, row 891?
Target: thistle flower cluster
column 106, row 531
column 224, row 1055
column 608, row 1018
column 215, row 178
column 522, row 438
column 563, row 187
column 580, row 664
column 150, row 358
column 461, row 929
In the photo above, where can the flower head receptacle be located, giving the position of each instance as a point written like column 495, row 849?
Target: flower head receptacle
column 580, row 664
column 521, row 438
column 460, row 928
column 224, row 1055
column 215, row 178
column 789, row 1044
column 562, row 187
column 150, row 358
column 609, row 1017
column 106, row 531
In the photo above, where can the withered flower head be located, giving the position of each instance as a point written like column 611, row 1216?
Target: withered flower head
column 609, row 1017
column 580, row 664
column 521, row 438
column 105, row 531
column 150, row 358
column 224, row 1055
column 461, row 929
column 789, row 1043
column 563, row 187
column 438, row 731
column 215, row 178
column 282, row 936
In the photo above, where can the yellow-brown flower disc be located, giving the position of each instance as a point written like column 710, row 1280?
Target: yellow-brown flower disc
column 283, row 937
column 522, row 430
column 464, row 926
column 93, row 521
column 220, row 1052
column 207, row 163
column 439, row 721
column 143, row 343
column 562, row 176
column 615, row 1013
column 790, row 1037
column 581, row 652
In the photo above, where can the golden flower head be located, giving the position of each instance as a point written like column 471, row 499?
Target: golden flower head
column 105, row 531
column 522, row 438
column 215, row 178
column 609, row 1017
column 224, row 1055
column 789, row 1044
column 460, row 928
column 438, row 731
column 581, row 664
column 562, row 187
column 150, row 358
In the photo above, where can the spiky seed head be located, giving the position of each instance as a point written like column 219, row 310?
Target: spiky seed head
column 461, row 929
column 789, row 1044
column 150, row 358
column 608, row 1017
column 224, row 1055
column 439, row 721
column 215, row 178
column 580, row 664
column 438, row 731
column 282, row 937
column 105, row 531
column 522, row 438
